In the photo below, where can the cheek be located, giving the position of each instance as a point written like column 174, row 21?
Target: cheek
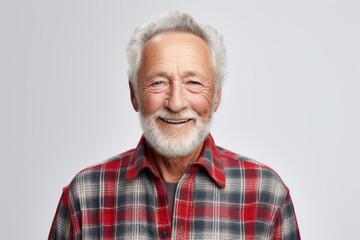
column 202, row 104
column 151, row 102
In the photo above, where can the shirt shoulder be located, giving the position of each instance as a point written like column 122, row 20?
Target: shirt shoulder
column 109, row 163
column 228, row 156
column 235, row 165
column 94, row 176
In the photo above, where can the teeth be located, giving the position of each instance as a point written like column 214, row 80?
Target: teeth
column 176, row 121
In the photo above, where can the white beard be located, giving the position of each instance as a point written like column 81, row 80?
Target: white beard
column 175, row 143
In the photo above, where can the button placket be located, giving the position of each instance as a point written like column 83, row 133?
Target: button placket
column 163, row 234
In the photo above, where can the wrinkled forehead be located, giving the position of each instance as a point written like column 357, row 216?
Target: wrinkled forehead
column 184, row 50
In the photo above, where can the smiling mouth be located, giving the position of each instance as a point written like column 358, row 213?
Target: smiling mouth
column 175, row 121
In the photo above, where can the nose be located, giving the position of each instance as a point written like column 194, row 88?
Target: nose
column 176, row 100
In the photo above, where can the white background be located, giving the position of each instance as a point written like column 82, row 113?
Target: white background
column 290, row 100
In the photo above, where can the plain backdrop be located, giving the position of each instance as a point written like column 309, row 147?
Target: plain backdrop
column 291, row 100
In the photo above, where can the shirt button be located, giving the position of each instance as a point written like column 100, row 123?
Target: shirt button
column 163, row 234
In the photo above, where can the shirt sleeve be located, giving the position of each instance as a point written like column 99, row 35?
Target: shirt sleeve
column 286, row 226
column 62, row 225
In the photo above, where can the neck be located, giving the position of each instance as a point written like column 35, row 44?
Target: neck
column 171, row 169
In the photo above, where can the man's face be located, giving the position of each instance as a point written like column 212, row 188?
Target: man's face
column 176, row 91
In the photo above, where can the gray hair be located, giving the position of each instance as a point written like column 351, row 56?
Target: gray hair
column 172, row 22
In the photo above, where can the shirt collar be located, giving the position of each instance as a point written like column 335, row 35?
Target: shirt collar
column 209, row 160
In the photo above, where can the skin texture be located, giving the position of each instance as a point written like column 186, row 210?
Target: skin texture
column 175, row 74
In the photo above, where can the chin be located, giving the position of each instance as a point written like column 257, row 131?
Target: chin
column 177, row 142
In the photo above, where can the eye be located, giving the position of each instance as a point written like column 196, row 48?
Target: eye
column 193, row 82
column 157, row 83
column 194, row 85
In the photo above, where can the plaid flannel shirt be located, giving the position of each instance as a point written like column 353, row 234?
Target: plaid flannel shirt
column 221, row 196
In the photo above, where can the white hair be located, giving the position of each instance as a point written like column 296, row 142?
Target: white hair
column 176, row 22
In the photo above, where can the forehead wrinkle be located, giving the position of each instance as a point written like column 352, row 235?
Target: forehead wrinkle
column 171, row 62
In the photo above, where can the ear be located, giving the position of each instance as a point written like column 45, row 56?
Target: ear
column 217, row 99
column 133, row 97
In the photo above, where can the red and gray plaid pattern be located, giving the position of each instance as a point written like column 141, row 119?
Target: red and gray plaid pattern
column 221, row 196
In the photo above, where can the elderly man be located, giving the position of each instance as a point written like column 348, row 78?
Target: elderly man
column 176, row 184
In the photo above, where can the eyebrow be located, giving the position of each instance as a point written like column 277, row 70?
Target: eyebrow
column 192, row 74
